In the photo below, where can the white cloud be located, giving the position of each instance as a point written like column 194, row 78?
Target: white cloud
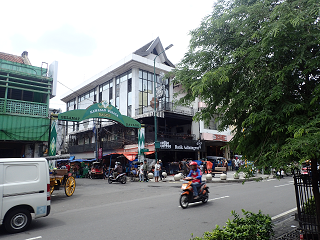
column 85, row 37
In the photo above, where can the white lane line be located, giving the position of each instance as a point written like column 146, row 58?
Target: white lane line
column 284, row 213
column 213, row 199
column 283, row 185
column 34, row 238
column 270, row 180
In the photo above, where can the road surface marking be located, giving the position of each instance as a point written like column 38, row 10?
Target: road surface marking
column 270, row 180
column 213, row 199
column 284, row 213
column 34, row 238
column 283, row 185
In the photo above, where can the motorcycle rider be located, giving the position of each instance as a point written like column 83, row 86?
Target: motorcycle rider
column 195, row 173
column 117, row 169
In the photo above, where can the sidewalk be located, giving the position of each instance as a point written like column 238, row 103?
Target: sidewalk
column 230, row 178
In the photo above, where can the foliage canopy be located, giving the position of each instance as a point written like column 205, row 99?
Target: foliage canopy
column 255, row 63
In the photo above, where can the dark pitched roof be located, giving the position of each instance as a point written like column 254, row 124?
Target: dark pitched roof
column 11, row 58
column 151, row 48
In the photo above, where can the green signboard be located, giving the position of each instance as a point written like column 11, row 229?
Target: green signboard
column 73, row 115
column 99, row 110
column 53, row 138
column 102, row 110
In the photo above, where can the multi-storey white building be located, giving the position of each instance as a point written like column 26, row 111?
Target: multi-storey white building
column 128, row 85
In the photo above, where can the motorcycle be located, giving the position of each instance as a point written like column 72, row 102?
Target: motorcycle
column 187, row 193
column 120, row 178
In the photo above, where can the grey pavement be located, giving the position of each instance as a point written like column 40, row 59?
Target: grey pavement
column 285, row 226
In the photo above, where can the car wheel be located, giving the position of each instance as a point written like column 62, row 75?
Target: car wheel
column 17, row 220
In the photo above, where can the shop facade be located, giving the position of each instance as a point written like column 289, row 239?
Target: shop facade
column 129, row 86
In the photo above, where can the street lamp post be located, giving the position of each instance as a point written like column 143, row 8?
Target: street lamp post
column 155, row 102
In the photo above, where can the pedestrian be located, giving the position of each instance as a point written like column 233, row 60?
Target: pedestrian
column 225, row 164
column 157, row 168
column 128, row 169
column 237, row 164
column 160, row 172
column 145, row 171
column 233, row 166
column 68, row 167
column 185, row 167
column 141, row 174
column 209, row 166
column 205, row 166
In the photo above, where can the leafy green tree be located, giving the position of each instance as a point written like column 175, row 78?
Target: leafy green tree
column 256, row 63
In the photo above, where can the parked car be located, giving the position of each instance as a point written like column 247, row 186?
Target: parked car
column 24, row 192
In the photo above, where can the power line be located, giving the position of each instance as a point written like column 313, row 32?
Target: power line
column 75, row 91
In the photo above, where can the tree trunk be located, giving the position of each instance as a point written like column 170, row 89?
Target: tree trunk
column 315, row 189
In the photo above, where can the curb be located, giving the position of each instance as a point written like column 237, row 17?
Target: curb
column 225, row 181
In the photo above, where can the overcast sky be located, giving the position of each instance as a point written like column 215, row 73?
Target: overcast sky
column 86, row 37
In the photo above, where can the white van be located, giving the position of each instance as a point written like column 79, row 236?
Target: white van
column 24, row 192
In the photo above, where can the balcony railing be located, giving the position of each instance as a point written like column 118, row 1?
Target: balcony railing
column 82, row 148
column 114, row 144
column 181, row 137
column 169, row 107
column 19, row 67
column 24, row 108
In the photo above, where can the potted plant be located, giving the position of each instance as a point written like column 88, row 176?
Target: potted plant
column 236, row 175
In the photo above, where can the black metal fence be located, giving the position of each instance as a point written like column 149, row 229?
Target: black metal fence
column 306, row 206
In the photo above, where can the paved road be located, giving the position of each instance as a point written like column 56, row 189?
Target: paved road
column 99, row 210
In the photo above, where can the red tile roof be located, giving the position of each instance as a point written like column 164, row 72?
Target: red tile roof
column 11, row 58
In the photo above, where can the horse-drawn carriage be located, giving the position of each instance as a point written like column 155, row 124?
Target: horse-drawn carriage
column 61, row 177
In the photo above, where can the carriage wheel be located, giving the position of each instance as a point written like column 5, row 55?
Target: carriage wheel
column 51, row 189
column 70, row 186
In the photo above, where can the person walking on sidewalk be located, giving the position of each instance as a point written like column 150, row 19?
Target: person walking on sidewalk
column 157, row 168
column 145, row 171
column 160, row 172
column 141, row 174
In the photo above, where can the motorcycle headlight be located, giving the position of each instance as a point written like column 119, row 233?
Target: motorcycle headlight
column 184, row 186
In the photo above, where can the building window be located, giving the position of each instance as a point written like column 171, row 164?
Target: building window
column 2, row 92
column 87, row 95
column 127, row 76
column 117, row 103
column 71, row 105
column 129, row 88
column 129, row 114
column 145, row 88
column 108, row 87
column 213, row 123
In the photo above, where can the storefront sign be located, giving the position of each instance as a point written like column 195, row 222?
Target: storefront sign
column 99, row 110
column 141, row 140
column 53, row 138
column 195, row 146
column 218, row 137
